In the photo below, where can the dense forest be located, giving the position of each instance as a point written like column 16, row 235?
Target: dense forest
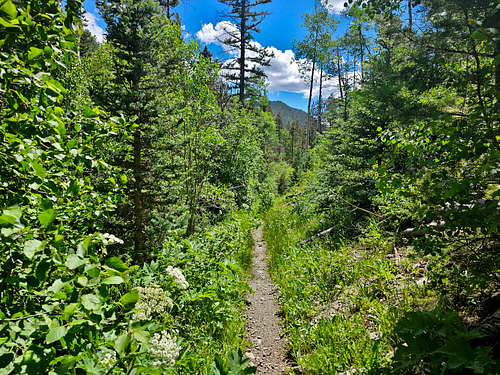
column 134, row 171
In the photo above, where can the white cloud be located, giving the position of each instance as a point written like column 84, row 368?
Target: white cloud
column 335, row 6
column 93, row 27
column 283, row 74
column 185, row 33
column 215, row 35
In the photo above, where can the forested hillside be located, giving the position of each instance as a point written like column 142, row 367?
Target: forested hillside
column 133, row 172
column 288, row 114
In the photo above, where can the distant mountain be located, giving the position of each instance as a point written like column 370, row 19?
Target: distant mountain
column 289, row 114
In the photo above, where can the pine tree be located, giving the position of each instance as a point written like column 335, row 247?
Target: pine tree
column 132, row 29
column 168, row 5
column 88, row 43
column 246, row 70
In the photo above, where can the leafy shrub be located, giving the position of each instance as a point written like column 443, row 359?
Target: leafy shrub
column 436, row 342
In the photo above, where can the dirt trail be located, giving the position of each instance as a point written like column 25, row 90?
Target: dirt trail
column 263, row 329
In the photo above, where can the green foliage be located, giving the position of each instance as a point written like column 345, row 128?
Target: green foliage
column 207, row 315
column 67, row 304
column 408, row 168
column 340, row 301
column 440, row 341
column 58, row 307
column 236, row 365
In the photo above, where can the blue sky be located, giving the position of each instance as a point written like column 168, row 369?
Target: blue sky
column 204, row 20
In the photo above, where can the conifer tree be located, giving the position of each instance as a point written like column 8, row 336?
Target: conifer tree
column 132, row 29
column 246, row 70
column 88, row 43
column 168, row 5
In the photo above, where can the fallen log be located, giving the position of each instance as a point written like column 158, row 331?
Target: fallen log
column 320, row 234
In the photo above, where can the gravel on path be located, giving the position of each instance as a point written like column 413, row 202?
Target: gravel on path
column 268, row 352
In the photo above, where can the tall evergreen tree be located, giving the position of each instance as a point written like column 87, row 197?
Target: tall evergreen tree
column 88, row 43
column 133, row 28
column 247, row 69
column 168, row 5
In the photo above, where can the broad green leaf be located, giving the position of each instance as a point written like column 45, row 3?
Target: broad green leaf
column 93, row 272
column 142, row 336
column 47, row 217
column 66, row 363
column 122, row 343
column 116, row 264
column 479, row 35
column 10, row 215
column 39, row 170
column 8, row 8
column 47, row 51
column 130, row 297
column 7, row 220
column 55, row 334
column 57, row 286
column 69, row 310
column 83, row 281
column 74, row 261
column 91, row 302
column 90, row 113
column 113, row 280
column 148, row 371
column 14, row 211
column 34, row 53
column 31, row 247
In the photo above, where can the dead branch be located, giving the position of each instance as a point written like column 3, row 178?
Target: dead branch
column 320, row 234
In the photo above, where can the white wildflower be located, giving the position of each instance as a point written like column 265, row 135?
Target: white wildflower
column 109, row 360
column 178, row 277
column 152, row 301
column 109, row 239
column 164, row 347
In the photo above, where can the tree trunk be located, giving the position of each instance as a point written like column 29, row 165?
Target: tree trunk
column 339, row 72
column 354, row 66
column 138, row 198
column 308, row 138
column 361, row 52
column 320, row 106
column 192, row 219
column 410, row 15
column 242, row 51
column 497, row 74
column 343, row 92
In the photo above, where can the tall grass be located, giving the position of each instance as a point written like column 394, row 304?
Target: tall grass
column 340, row 300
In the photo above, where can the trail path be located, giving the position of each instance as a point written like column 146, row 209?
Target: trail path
column 263, row 329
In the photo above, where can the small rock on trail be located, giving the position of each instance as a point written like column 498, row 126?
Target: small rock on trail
column 268, row 352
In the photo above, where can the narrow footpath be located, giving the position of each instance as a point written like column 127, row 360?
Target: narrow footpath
column 263, row 329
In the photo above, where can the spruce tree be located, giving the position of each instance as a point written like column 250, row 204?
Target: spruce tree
column 132, row 29
column 88, row 43
column 246, row 70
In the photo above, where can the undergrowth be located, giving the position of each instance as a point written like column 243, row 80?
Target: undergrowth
column 359, row 307
column 207, row 316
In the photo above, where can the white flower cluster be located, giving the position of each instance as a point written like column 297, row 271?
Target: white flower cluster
column 178, row 277
column 109, row 239
column 152, row 300
column 165, row 348
column 109, row 360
